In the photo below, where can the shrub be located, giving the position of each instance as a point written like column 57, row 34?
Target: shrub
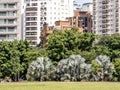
column 40, row 70
column 102, row 69
column 74, row 69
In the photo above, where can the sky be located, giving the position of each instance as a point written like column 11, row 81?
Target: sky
column 83, row 1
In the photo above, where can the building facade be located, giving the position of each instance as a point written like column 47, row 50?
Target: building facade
column 38, row 12
column 82, row 19
column 106, row 17
column 10, row 20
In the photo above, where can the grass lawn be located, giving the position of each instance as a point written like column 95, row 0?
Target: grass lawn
column 61, row 86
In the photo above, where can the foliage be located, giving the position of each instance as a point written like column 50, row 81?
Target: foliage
column 102, row 69
column 74, row 69
column 112, row 43
column 9, row 59
column 86, row 41
column 117, row 68
column 63, row 44
column 40, row 70
column 88, row 55
column 102, row 50
column 15, row 57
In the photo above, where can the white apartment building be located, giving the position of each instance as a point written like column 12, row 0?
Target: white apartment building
column 38, row 12
column 87, row 7
column 10, row 20
column 106, row 17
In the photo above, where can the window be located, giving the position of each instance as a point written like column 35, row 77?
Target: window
column 28, row 4
column 1, row 5
column 2, row 29
column 11, row 5
column 11, row 29
column 2, row 13
column 45, row 3
column 2, row 21
column 2, row 37
column 12, row 37
column 34, row 4
column 11, row 21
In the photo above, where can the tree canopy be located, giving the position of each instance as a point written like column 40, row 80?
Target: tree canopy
column 63, row 44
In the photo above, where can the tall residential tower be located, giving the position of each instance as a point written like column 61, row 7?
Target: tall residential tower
column 10, row 20
column 106, row 17
column 38, row 12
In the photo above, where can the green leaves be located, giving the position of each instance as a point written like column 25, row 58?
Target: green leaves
column 63, row 44
column 15, row 57
column 117, row 68
column 112, row 41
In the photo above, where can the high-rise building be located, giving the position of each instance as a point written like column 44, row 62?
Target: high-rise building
column 38, row 12
column 106, row 17
column 10, row 20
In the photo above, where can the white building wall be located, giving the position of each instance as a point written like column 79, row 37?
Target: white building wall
column 106, row 17
column 11, row 19
column 55, row 10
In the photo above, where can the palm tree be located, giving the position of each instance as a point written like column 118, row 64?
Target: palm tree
column 41, row 69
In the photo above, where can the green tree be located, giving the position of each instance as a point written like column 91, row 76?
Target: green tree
column 117, row 68
column 15, row 57
column 88, row 55
column 9, row 60
column 112, row 43
column 102, row 50
column 27, row 55
column 63, row 44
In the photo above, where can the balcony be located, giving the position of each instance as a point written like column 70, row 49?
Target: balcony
column 31, row 23
column 31, row 30
column 9, row 1
column 8, row 25
column 8, row 17
column 8, row 9
column 8, row 33
column 31, row 9
column 31, row 14
column 31, row 36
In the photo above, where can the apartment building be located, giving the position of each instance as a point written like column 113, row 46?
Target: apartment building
column 106, row 17
column 10, row 20
column 38, row 12
column 81, row 19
